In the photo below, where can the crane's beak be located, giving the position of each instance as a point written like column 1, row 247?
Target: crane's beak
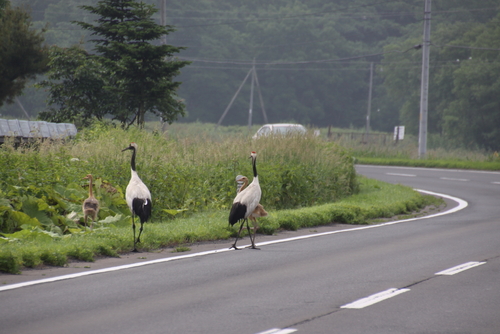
column 128, row 148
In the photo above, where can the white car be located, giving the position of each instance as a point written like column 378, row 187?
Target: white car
column 279, row 129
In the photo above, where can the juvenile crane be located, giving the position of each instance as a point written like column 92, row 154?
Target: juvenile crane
column 90, row 206
column 259, row 210
column 245, row 203
column 137, row 196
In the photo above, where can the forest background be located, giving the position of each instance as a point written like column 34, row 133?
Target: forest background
column 313, row 60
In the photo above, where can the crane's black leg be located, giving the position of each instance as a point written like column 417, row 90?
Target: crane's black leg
column 133, row 229
column 238, row 235
column 140, row 231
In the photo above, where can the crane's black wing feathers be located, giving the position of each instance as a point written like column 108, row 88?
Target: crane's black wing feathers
column 237, row 213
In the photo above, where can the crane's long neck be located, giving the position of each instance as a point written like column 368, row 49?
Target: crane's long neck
column 255, row 177
column 90, row 187
column 132, row 160
column 243, row 186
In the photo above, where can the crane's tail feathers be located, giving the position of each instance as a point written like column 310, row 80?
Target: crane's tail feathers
column 142, row 207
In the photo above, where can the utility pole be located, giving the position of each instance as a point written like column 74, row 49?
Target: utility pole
column 368, row 112
column 255, row 81
column 251, row 97
column 234, row 97
column 424, row 90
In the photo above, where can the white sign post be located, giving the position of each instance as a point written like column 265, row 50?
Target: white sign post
column 399, row 132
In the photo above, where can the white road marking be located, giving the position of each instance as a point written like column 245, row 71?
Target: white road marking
column 376, row 298
column 279, row 331
column 452, row 179
column 399, row 174
column 495, row 182
column 460, row 268
column 461, row 205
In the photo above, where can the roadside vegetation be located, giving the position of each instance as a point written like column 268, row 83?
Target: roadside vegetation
column 378, row 148
column 440, row 154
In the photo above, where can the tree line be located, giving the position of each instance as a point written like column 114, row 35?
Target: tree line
column 312, row 60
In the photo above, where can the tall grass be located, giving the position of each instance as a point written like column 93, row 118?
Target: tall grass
column 408, row 149
column 186, row 173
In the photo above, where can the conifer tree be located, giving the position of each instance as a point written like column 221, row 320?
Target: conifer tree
column 137, row 73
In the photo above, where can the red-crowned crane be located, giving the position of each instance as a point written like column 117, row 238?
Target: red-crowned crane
column 245, row 203
column 90, row 206
column 137, row 196
column 259, row 210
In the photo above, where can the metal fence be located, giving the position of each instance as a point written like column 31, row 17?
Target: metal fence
column 358, row 137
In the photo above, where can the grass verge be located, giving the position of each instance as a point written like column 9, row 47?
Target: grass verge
column 375, row 199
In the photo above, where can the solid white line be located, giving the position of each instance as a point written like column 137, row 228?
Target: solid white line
column 452, row 179
column 373, row 299
column 109, row 269
column 495, row 182
column 398, row 174
column 279, row 331
column 461, row 205
column 460, row 268
column 270, row 331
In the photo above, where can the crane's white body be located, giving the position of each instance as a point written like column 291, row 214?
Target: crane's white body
column 250, row 196
column 136, row 189
column 259, row 209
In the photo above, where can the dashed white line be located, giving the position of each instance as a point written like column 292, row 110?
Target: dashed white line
column 453, row 179
column 376, row 298
column 399, row 174
column 279, row 331
column 460, row 268
column 495, row 182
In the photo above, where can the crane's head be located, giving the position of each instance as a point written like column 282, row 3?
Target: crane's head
column 132, row 146
column 253, row 155
column 241, row 178
column 88, row 177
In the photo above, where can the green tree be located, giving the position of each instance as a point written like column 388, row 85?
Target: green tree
column 22, row 53
column 76, row 84
column 140, row 73
column 472, row 116
column 128, row 75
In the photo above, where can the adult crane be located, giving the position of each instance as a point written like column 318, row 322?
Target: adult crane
column 137, row 196
column 245, row 203
column 259, row 211
column 90, row 206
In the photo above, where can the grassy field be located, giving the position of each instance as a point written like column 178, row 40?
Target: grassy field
column 381, row 149
column 376, row 148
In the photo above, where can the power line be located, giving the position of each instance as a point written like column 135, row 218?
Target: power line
column 322, row 13
column 295, row 62
column 361, row 69
column 464, row 47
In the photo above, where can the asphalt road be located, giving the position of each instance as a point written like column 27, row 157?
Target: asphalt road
column 390, row 278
